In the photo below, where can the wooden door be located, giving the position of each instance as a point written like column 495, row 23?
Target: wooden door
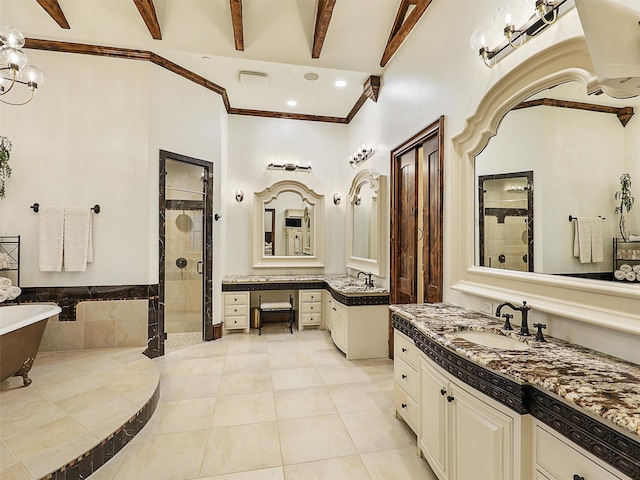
column 432, row 221
column 406, row 270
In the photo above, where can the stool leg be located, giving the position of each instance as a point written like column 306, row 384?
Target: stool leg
column 260, row 323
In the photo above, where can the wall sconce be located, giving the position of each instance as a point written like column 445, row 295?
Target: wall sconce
column 515, row 22
column 337, row 198
column 239, row 195
column 289, row 167
column 361, row 155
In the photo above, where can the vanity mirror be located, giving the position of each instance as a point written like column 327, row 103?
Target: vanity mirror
column 288, row 226
column 366, row 223
column 575, row 146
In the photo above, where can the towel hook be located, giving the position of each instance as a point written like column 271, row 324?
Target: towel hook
column 96, row 208
column 35, row 207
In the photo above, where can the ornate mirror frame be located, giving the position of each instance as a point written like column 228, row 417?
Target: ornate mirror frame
column 605, row 304
column 260, row 260
column 378, row 185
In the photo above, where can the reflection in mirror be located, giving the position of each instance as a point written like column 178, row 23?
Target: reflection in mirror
column 577, row 147
column 288, row 226
column 365, row 222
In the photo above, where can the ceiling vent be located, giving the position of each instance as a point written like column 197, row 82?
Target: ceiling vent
column 254, row 79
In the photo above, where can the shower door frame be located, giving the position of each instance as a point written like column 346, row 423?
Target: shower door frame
column 207, row 213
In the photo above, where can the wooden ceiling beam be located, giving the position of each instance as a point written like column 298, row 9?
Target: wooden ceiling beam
column 402, row 26
column 52, row 7
column 624, row 114
column 323, row 17
column 236, row 20
column 148, row 12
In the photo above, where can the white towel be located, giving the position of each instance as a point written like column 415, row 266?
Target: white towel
column 5, row 283
column 597, row 251
column 78, row 242
column 619, row 275
column 50, row 237
column 582, row 239
column 4, row 261
column 3, row 295
column 13, row 292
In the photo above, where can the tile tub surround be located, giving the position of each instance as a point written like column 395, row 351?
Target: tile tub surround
column 349, row 291
column 588, row 396
column 81, row 409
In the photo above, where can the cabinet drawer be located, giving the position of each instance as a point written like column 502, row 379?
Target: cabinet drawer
column 235, row 322
column 235, row 310
column 311, row 296
column 407, row 407
column 561, row 460
column 311, row 307
column 405, row 349
column 406, row 376
column 311, row 319
column 236, row 298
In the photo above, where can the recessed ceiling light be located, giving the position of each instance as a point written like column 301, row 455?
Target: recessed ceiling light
column 340, row 83
column 311, row 76
column 292, row 103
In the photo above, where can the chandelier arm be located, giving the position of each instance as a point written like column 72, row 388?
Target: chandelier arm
column 18, row 104
column 6, row 90
column 549, row 22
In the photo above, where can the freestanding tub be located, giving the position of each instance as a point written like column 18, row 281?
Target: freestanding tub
column 21, row 330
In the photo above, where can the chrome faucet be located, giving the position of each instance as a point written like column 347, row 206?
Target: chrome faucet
column 524, row 311
column 368, row 282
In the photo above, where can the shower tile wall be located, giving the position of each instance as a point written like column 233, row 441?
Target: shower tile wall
column 183, row 286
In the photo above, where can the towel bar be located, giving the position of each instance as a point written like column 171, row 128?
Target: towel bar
column 36, row 208
column 572, row 218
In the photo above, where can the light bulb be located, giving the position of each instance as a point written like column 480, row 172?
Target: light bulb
column 32, row 75
column 11, row 36
column 485, row 37
column 12, row 56
column 515, row 13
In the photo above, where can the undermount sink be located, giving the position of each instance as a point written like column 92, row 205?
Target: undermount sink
column 492, row 340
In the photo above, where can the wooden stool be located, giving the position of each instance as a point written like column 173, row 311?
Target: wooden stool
column 275, row 307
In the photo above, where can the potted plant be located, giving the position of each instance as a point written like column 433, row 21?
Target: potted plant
column 626, row 201
column 5, row 169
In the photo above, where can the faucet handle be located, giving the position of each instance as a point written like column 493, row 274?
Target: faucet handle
column 539, row 336
column 507, row 325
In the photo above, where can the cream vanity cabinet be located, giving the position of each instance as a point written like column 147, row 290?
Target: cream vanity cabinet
column 407, row 379
column 236, row 311
column 309, row 309
column 556, row 458
column 463, row 434
column 359, row 331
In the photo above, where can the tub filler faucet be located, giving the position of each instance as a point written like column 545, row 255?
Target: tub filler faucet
column 524, row 311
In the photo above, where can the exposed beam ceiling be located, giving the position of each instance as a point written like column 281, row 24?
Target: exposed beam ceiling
column 236, row 20
column 403, row 25
column 624, row 114
column 323, row 17
column 52, row 7
column 148, row 12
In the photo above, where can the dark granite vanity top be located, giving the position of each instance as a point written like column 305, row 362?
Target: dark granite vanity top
column 604, row 386
column 348, row 290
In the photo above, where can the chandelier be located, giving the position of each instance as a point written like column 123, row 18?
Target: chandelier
column 13, row 66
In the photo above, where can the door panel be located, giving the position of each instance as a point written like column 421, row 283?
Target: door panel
column 406, row 247
column 432, row 210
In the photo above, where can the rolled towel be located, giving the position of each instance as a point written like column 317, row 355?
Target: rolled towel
column 13, row 292
column 5, row 283
column 631, row 276
column 636, row 268
column 4, row 261
column 634, row 237
column 625, row 268
column 3, row 295
column 619, row 275
column 638, row 276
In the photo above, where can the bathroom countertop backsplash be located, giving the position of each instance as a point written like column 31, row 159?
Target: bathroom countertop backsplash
column 344, row 284
column 603, row 385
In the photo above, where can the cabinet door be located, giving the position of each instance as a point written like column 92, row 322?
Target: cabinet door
column 327, row 310
column 433, row 419
column 481, row 438
column 339, row 328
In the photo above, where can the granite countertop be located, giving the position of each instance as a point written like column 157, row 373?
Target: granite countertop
column 604, row 386
column 344, row 284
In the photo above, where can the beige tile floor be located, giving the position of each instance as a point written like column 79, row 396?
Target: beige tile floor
column 275, row 406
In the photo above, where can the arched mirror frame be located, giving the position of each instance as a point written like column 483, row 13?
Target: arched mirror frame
column 606, row 304
column 378, row 185
column 260, row 260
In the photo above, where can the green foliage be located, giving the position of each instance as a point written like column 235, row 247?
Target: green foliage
column 5, row 169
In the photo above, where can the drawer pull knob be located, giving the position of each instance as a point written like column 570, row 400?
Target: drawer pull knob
column 577, row 477
column 450, row 398
column 443, row 391
column 404, row 377
column 404, row 350
column 404, row 405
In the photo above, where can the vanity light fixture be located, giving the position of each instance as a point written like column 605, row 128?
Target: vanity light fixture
column 361, row 155
column 239, row 195
column 13, row 65
column 289, row 167
column 337, row 198
column 515, row 22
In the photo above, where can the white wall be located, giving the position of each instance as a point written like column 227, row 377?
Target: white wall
column 253, row 142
